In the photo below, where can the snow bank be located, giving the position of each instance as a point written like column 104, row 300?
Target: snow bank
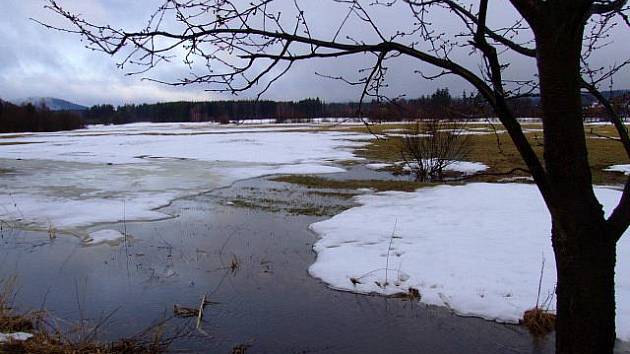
column 476, row 248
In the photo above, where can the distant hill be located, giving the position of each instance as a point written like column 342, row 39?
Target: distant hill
column 54, row 104
column 17, row 118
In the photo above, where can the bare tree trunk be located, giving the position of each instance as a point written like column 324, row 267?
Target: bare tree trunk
column 585, row 264
column 584, row 250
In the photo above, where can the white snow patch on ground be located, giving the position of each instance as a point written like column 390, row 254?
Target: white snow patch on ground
column 377, row 166
column 472, row 132
column 475, row 248
column 15, row 336
column 72, row 180
column 104, row 236
column 466, row 132
column 625, row 169
column 516, row 179
column 396, row 130
column 465, row 167
column 411, row 135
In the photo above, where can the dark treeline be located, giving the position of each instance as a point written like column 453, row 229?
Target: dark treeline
column 439, row 104
column 215, row 111
column 28, row 118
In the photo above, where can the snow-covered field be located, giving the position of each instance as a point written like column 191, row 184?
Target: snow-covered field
column 71, row 180
column 476, row 249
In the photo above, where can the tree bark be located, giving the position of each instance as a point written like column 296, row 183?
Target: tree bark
column 584, row 250
column 585, row 303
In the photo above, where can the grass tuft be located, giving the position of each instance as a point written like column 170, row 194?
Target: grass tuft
column 48, row 338
column 539, row 322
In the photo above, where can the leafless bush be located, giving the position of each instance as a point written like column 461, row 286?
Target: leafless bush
column 432, row 146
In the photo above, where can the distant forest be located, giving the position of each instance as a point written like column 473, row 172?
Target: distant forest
column 28, row 118
column 441, row 104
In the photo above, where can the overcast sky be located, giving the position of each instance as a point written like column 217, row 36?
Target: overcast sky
column 35, row 61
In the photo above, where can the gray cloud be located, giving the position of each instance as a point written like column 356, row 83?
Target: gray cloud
column 39, row 62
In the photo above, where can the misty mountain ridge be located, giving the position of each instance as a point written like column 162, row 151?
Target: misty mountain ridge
column 52, row 103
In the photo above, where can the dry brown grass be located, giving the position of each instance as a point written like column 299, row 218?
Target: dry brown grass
column 52, row 345
column 326, row 183
column 539, row 322
column 240, row 349
column 412, row 294
column 48, row 338
column 499, row 153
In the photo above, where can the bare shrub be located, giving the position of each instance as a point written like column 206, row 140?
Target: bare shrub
column 431, row 146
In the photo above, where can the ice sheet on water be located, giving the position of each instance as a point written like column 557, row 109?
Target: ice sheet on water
column 110, row 173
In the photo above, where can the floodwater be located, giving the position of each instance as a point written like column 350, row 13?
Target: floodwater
column 268, row 302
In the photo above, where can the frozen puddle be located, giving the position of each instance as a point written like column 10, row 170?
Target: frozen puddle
column 476, row 249
column 73, row 180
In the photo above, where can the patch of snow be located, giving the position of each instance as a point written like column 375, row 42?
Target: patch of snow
column 516, row 178
column 476, row 249
column 625, row 169
column 465, row 167
column 469, row 132
column 603, row 122
column 481, row 132
column 377, row 166
column 104, row 236
column 366, row 190
column 15, row 336
column 404, row 135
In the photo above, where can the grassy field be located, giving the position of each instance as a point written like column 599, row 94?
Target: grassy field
column 494, row 150
column 326, row 183
column 498, row 152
